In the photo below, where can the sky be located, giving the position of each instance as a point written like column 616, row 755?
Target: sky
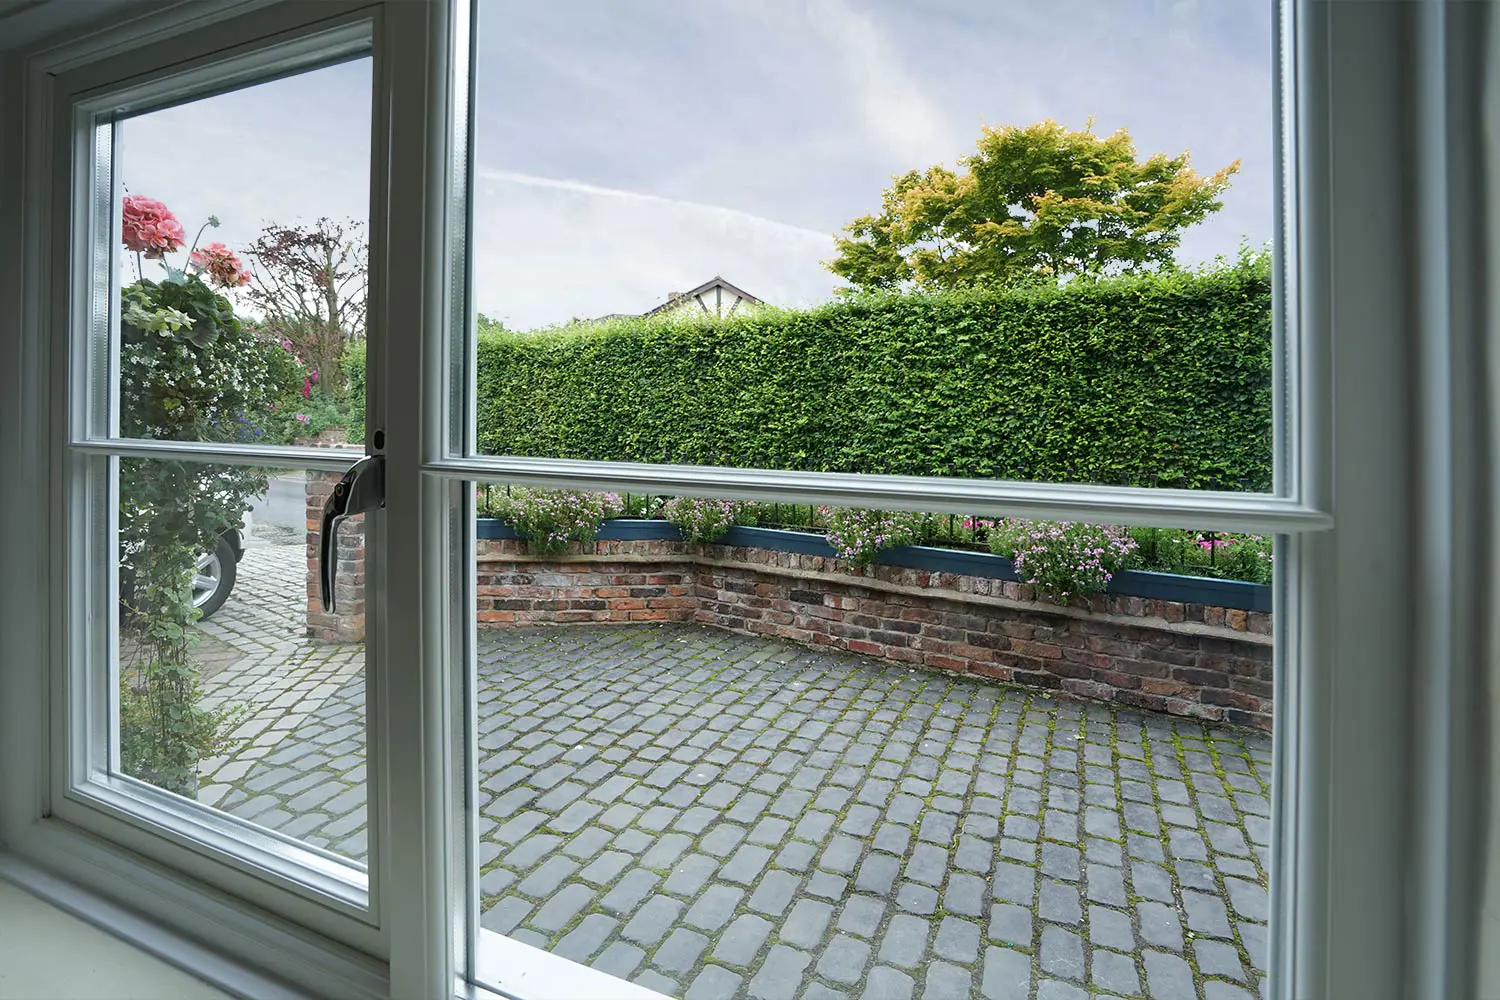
column 628, row 149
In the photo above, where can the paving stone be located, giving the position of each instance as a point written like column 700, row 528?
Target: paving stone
column 619, row 959
column 1248, row 899
column 746, row 865
column 843, row 961
column 562, row 906
column 944, row 981
column 680, row 951
column 1151, row 881
column 862, row 916
column 1014, row 883
column 957, row 940
column 804, row 926
column 877, row 874
column 964, row 895
column 1011, row 924
column 1226, row 991
column 913, row 898
column 842, row 855
column 775, row 893
column 652, row 921
column 886, row 983
column 927, row 864
column 1168, row 977
column 1215, row 958
column 1061, row 953
column 713, row 983
column 1114, row 972
column 905, row 941
column 1053, row 989
column 780, row 975
column 742, row 939
column 545, row 880
column 1159, row 925
column 1058, row 902
column 715, row 907
column 588, row 937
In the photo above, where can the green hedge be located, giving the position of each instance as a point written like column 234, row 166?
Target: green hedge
column 1154, row 380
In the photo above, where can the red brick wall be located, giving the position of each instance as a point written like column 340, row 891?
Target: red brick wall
column 347, row 622
column 1184, row 659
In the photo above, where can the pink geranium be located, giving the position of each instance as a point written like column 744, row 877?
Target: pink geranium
column 222, row 264
column 150, row 228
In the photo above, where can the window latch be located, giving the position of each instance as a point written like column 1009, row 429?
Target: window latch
column 362, row 489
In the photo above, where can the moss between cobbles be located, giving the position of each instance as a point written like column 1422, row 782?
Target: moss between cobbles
column 1051, row 718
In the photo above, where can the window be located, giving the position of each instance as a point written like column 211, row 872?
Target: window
column 442, row 714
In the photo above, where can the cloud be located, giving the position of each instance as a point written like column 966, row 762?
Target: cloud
column 547, row 250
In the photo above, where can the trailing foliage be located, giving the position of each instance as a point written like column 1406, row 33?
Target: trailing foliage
column 1144, row 380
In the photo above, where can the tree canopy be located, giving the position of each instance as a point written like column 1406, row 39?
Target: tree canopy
column 1032, row 201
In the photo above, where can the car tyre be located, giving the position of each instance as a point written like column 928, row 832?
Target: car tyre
column 214, row 576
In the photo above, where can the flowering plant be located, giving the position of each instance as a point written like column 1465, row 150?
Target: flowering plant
column 1220, row 554
column 860, row 534
column 1063, row 558
column 550, row 519
column 222, row 265
column 704, row 519
column 149, row 228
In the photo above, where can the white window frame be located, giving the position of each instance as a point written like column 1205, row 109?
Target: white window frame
column 1384, row 388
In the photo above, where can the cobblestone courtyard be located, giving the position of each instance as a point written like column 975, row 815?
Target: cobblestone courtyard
column 713, row 815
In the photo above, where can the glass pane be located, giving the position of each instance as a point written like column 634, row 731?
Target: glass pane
column 242, row 260
column 796, row 239
column 233, row 687
column 744, row 749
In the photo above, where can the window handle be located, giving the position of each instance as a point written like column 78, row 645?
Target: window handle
column 362, row 489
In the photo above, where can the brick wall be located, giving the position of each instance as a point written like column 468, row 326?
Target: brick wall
column 347, row 623
column 1185, row 659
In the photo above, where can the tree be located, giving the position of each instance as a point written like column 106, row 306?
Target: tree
column 311, row 283
column 1032, row 201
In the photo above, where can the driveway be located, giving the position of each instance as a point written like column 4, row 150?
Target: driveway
column 716, row 815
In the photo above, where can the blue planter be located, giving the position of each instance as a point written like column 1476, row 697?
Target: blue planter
column 1130, row 583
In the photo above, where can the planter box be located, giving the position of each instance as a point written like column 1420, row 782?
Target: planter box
column 1188, row 646
column 1231, row 594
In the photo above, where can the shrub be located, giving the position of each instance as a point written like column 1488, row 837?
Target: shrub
column 550, row 519
column 189, row 371
column 860, row 535
column 1063, row 559
column 1147, row 380
column 1202, row 553
column 704, row 519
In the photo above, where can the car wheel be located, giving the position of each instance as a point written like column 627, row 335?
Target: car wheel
column 213, row 577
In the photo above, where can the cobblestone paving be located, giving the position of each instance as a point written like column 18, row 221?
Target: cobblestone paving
column 720, row 816
column 300, row 764
column 714, row 815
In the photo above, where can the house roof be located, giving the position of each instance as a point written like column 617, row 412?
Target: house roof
column 714, row 290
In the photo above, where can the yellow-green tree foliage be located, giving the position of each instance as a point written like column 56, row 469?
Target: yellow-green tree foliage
column 1032, row 202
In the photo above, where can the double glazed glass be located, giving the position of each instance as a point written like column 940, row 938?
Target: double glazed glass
column 227, row 394
column 805, row 656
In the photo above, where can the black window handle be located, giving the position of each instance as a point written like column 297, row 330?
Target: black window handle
column 362, row 489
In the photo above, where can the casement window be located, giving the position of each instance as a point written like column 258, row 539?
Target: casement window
column 360, row 831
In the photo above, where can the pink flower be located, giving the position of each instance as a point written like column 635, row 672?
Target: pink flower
column 306, row 389
column 148, row 227
column 224, row 267
column 302, row 418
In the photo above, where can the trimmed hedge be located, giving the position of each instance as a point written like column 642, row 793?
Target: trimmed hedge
column 1149, row 380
